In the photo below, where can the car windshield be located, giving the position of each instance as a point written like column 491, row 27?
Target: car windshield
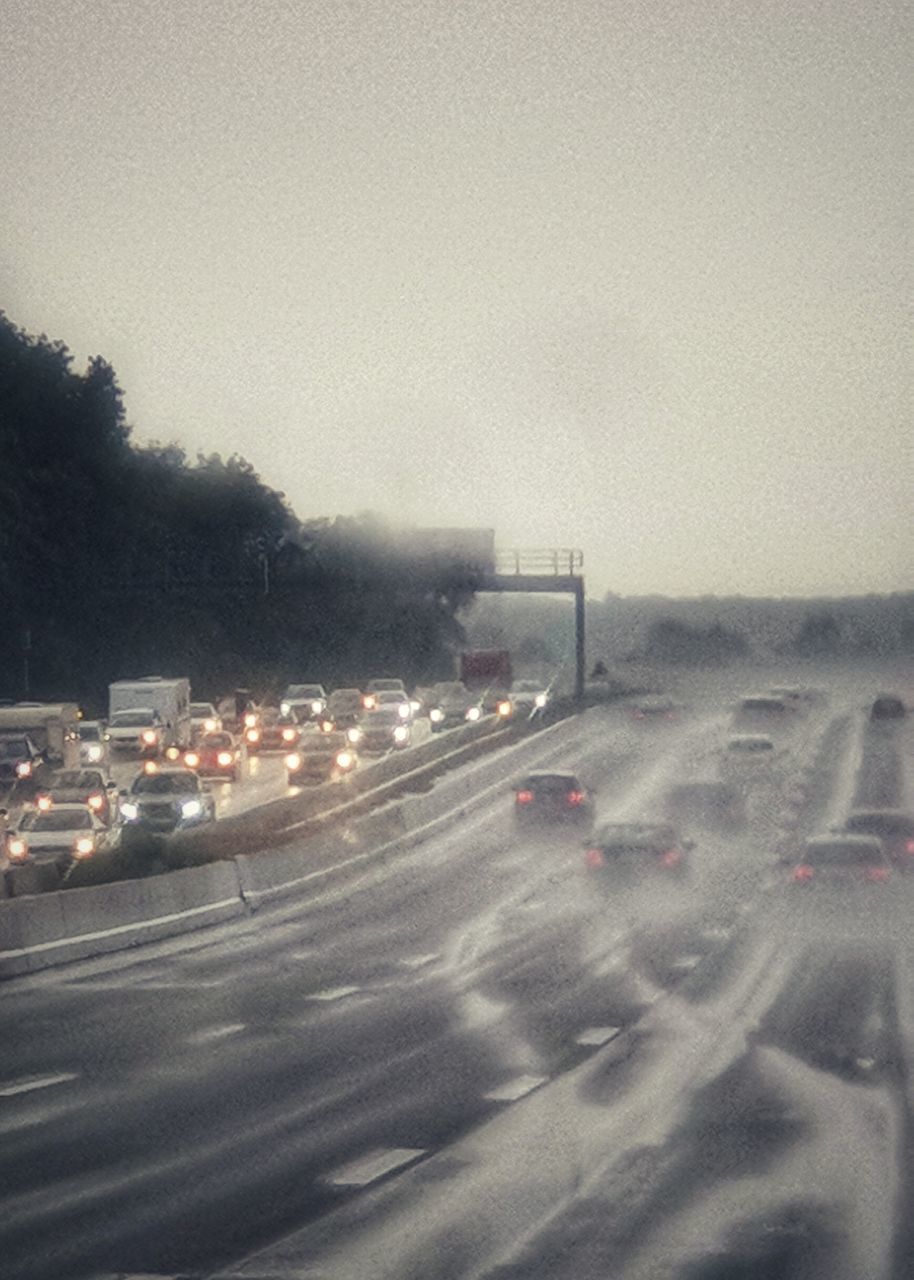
column 305, row 692
column 637, row 835
column 550, row 782
column 162, row 784
column 131, row 719
column 81, row 780
column 324, row 743
column 875, row 823
column 216, row 741
column 453, row 689
column 840, row 853
column 89, row 733
column 202, row 711
column 56, row 820
column 13, row 748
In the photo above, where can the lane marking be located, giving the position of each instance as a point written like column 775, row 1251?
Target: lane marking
column 333, row 993
column 686, row 964
column 597, row 1035
column 419, row 962
column 215, row 1033
column 519, row 1087
column 374, row 1165
column 14, row 1087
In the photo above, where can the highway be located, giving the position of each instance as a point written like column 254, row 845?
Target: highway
column 481, row 1059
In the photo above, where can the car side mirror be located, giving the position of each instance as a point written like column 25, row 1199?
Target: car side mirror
column 4, row 813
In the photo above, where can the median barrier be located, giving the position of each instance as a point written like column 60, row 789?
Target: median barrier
column 29, row 926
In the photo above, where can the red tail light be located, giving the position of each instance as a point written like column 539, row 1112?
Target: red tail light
column 909, row 847
column 803, row 873
column 524, row 797
column 594, row 858
column 671, row 858
column 575, row 797
column 877, row 873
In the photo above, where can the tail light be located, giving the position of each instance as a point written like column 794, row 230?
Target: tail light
column 909, row 846
column 289, row 735
column 803, row 873
column 504, row 708
column 253, row 735
column 172, row 753
column 224, row 758
column 84, row 847
column 369, row 702
column 191, row 759
column 43, row 803
column 594, row 858
column 96, row 801
column 575, row 797
column 344, row 760
column 524, row 797
column 293, row 762
column 326, row 726
column 150, row 767
column 149, row 736
column 671, row 858
column 877, row 873
column 250, row 720
column 209, row 726
column 24, row 769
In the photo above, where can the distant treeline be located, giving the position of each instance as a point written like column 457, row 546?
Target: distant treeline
column 698, row 630
column 118, row 560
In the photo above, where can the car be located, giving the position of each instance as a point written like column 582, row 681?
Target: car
column 394, row 698
column 93, row 743
column 322, row 757
column 216, row 755
column 89, row 787
column 528, row 696
column 888, row 706
column 63, row 834
column 797, row 697
column 384, row 729
column 744, row 750
column 761, row 710
column 307, row 701
column 21, row 761
column 382, row 684
column 165, row 800
column 893, row 827
column 653, row 709
column 204, row 718
column 638, row 846
column 344, row 708
column 136, row 731
column 839, row 859
column 451, row 703
column 551, row 797
column 713, row 803
column 272, row 732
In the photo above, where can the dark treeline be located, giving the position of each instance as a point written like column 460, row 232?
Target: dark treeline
column 118, row 560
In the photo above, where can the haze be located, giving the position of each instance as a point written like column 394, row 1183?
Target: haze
column 629, row 277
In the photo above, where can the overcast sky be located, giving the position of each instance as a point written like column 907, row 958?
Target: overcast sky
column 632, row 276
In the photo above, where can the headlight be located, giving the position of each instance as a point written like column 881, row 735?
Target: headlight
column 225, row 758
column 129, row 810
column 284, row 708
column 540, row 700
column 250, row 720
column 23, row 769
column 17, row 849
column 210, row 725
column 326, row 726
column 415, row 707
column 401, row 733
column 293, row 762
column 84, row 847
column 150, row 767
column 289, row 735
column 191, row 809
column 149, row 736
column 472, row 713
column 172, row 753
column 403, row 711
column 96, row 801
column 316, row 707
column 369, row 702
column 344, row 759
column 504, row 708
column 191, row 759
column 436, row 715
column 253, row 735
column 93, row 752
column 43, row 803
column 354, row 735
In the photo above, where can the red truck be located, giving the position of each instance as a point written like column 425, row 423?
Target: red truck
column 487, row 672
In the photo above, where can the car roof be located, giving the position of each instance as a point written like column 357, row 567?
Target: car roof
column 75, row 779
column 845, row 840
column 619, row 832
column 896, row 818
column 538, row 779
column 753, row 741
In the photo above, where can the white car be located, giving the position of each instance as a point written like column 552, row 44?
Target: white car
column 306, row 701
column 64, row 833
column 204, row 718
column 394, row 698
column 93, row 743
column 164, row 800
column 529, row 696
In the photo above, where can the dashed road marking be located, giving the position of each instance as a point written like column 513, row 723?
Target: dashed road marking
column 334, row 993
column 597, row 1035
column 519, row 1087
column 419, row 962
column 215, row 1033
column 374, row 1165
column 29, row 1085
column 687, row 963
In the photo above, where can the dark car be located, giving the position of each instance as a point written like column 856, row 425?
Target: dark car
column 344, row 708
column 322, row 757
column 165, row 800
column 216, row 755
column 21, row 761
column 451, row 704
column 78, row 786
column 638, row 847
column 653, row 709
column 888, row 706
column 551, row 797
column 272, row 732
column 842, row 860
column 892, row 826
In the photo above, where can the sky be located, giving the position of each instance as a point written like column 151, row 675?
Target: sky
column 628, row 276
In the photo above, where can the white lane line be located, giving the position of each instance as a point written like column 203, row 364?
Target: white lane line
column 215, row 1033
column 419, row 962
column 333, row 993
column 686, row 964
column 12, row 1087
column 597, row 1035
column 368, row 1168
column 519, row 1087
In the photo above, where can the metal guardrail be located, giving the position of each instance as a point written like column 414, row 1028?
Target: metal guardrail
column 560, row 562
